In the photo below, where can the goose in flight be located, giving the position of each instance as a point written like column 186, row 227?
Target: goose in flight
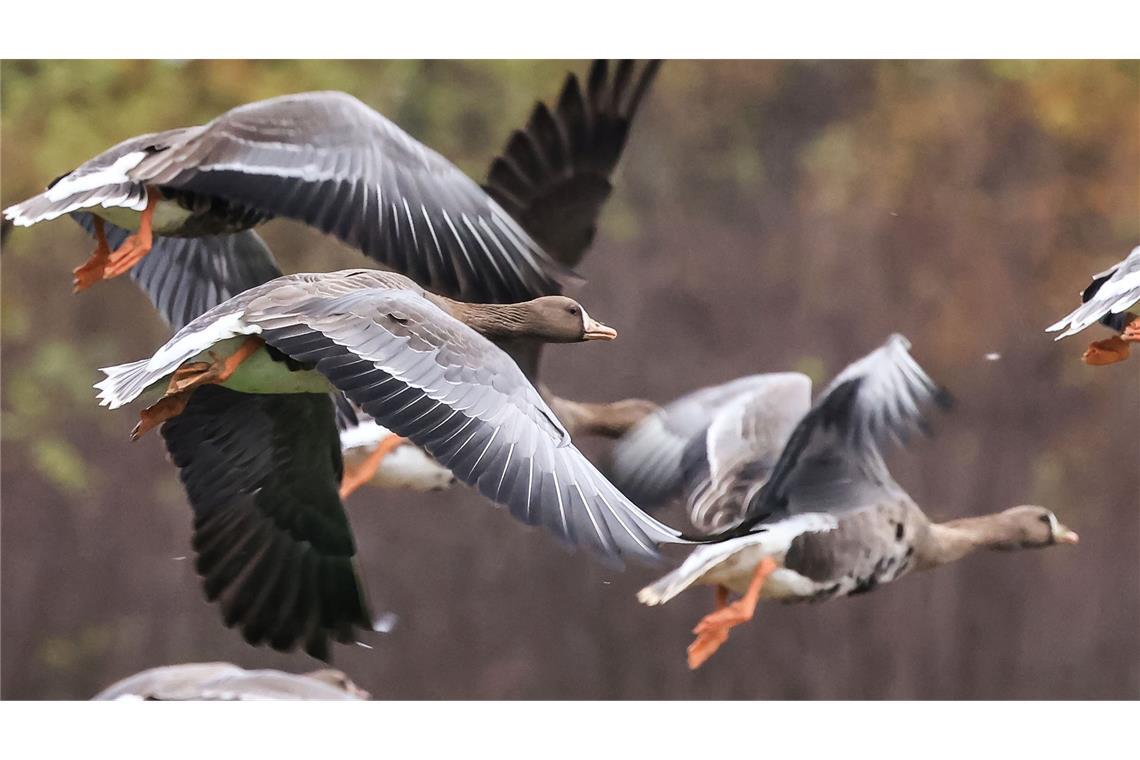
column 803, row 490
column 1107, row 301
column 321, row 158
column 273, row 545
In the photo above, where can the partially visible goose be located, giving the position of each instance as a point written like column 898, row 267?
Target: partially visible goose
column 374, row 455
column 223, row 681
column 816, row 513
column 273, row 543
column 1107, row 300
column 321, row 158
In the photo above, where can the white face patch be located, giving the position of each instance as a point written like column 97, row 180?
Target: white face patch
column 585, row 317
column 1054, row 527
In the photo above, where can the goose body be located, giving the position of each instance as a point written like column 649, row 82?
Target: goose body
column 422, row 366
column 811, row 511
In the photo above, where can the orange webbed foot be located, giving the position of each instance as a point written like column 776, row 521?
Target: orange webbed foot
column 1131, row 332
column 705, row 646
column 731, row 616
column 94, row 269
column 712, row 630
column 1108, row 351
column 159, row 412
column 706, row 643
column 186, row 379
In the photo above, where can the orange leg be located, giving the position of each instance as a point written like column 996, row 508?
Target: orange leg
column 707, row 643
column 1108, row 351
column 137, row 245
column 92, row 270
column 715, row 626
column 188, row 377
column 357, row 476
column 1131, row 332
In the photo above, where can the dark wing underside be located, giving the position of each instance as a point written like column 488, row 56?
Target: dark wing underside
column 327, row 160
column 274, row 547
column 553, row 175
column 184, row 277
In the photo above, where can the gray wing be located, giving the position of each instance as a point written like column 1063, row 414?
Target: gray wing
column 833, row 460
column 428, row 377
column 185, row 277
column 273, row 544
column 649, row 461
column 220, row 681
column 328, row 160
column 741, row 447
column 553, row 176
column 1112, row 292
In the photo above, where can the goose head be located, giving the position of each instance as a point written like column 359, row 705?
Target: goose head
column 558, row 319
column 1031, row 527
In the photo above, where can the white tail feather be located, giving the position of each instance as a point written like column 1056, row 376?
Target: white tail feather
column 773, row 542
column 124, row 383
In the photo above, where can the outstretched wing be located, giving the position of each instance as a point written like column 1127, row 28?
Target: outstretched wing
column 649, row 461
column 833, row 460
column 273, row 544
column 330, row 161
column 1112, row 292
column 430, row 378
column 553, row 176
column 185, row 277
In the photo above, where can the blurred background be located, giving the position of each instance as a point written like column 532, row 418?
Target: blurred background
column 767, row 216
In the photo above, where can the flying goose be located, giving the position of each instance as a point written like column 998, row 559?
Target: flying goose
column 223, row 681
column 1107, row 300
column 321, row 158
column 274, row 547
column 816, row 514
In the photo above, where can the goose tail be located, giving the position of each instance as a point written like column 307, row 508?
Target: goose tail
column 667, row 587
column 87, row 187
column 124, row 383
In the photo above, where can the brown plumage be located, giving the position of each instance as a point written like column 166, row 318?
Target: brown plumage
column 817, row 515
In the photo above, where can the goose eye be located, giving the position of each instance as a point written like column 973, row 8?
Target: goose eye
column 573, row 310
column 1045, row 519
